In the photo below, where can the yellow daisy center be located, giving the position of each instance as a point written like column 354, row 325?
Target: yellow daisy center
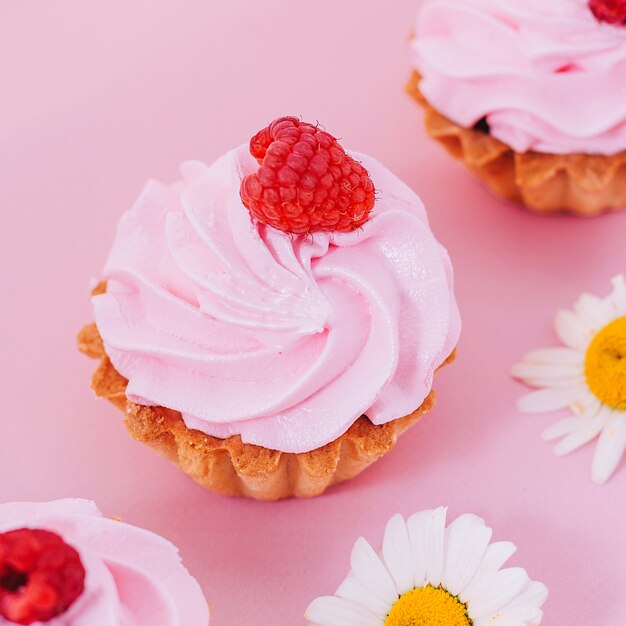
column 428, row 606
column 605, row 364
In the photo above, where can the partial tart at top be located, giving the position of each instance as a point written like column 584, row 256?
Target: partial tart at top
column 530, row 95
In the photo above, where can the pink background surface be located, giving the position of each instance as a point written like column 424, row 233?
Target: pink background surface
column 98, row 98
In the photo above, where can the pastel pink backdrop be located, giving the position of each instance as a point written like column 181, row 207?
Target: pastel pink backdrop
column 98, row 97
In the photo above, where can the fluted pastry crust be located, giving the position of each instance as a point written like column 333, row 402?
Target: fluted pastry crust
column 232, row 467
column 583, row 184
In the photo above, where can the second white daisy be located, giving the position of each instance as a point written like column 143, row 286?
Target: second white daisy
column 588, row 376
column 430, row 575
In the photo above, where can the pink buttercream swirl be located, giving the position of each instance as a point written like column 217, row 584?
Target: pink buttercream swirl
column 546, row 74
column 283, row 339
column 133, row 577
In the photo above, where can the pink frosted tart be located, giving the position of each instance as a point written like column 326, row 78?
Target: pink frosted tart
column 63, row 564
column 530, row 95
column 273, row 321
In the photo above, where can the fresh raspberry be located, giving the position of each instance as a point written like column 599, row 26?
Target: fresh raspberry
column 40, row 576
column 611, row 11
column 306, row 181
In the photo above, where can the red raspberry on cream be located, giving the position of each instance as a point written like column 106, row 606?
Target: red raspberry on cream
column 306, row 182
column 610, row 11
column 40, row 575
column 63, row 563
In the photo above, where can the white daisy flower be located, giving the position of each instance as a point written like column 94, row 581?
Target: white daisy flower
column 588, row 377
column 430, row 575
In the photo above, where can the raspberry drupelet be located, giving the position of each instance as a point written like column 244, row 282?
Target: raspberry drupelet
column 306, row 182
column 40, row 576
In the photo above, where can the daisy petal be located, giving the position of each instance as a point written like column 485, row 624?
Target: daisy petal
column 587, row 404
column 586, row 429
column 498, row 619
column 556, row 356
column 496, row 555
column 332, row 611
column 553, row 383
column 610, row 447
column 561, row 428
column 350, row 589
column 547, row 400
column 397, row 554
column 618, row 297
column 467, row 538
column 426, row 534
column 572, row 331
column 546, row 371
column 526, row 606
column 594, row 312
column 577, row 439
column 529, row 369
column 371, row 574
column 494, row 591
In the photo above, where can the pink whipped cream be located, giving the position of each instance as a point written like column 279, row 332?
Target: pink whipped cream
column 546, row 74
column 133, row 577
column 283, row 339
